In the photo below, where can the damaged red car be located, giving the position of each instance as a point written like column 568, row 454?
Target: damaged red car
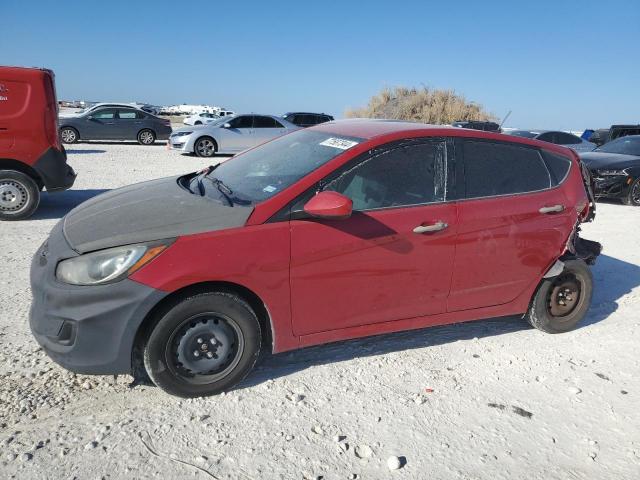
column 342, row 230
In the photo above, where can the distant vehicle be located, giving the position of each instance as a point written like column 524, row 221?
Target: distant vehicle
column 600, row 136
column 31, row 157
column 94, row 106
column 477, row 125
column 232, row 134
column 604, row 135
column 615, row 168
column 201, row 119
column 559, row 138
column 337, row 231
column 306, row 119
column 114, row 122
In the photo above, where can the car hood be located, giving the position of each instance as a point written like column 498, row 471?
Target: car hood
column 193, row 128
column 596, row 160
column 144, row 212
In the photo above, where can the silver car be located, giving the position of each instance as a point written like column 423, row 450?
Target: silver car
column 230, row 134
column 559, row 138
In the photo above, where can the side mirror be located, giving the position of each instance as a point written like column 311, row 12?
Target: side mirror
column 329, row 205
column 226, row 125
column 89, row 117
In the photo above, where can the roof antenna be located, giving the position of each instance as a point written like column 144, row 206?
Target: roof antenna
column 504, row 119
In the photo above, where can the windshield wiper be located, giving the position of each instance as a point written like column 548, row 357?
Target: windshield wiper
column 223, row 189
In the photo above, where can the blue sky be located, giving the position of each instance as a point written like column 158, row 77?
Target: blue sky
column 556, row 64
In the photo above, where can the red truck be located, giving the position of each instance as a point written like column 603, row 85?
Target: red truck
column 31, row 156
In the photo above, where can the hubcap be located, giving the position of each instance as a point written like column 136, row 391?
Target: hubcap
column 68, row 135
column 564, row 296
column 146, row 137
column 13, row 196
column 205, row 348
column 206, row 148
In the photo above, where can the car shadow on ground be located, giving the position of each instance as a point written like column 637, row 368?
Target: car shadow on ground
column 157, row 143
column 57, row 205
column 613, row 278
column 84, row 152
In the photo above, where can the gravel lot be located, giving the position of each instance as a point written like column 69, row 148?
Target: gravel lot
column 492, row 399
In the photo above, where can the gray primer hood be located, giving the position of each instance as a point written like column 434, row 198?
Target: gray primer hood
column 144, row 212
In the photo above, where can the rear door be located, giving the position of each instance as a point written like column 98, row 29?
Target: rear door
column 392, row 259
column 513, row 223
column 266, row 128
column 128, row 123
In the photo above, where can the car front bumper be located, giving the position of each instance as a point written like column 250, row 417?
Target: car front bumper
column 181, row 143
column 615, row 186
column 85, row 329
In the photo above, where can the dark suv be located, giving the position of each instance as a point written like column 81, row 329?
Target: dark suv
column 603, row 135
column 306, row 119
column 477, row 125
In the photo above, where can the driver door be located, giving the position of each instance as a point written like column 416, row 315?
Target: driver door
column 239, row 136
column 100, row 125
column 392, row 259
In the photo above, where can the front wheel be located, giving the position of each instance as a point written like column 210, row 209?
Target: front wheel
column 563, row 301
column 633, row 197
column 146, row 137
column 205, row 147
column 203, row 345
column 19, row 195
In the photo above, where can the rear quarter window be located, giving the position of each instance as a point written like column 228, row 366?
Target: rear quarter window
column 558, row 166
column 493, row 169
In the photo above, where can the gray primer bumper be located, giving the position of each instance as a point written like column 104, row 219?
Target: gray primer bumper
column 87, row 330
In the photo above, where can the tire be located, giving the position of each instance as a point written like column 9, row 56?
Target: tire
column 19, row 195
column 633, row 197
column 205, row 147
column 203, row 345
column 146, row 137
column 562, row 302
column 69, row 135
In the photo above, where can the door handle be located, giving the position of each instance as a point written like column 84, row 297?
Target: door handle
column 552, row 209
column 436, row 227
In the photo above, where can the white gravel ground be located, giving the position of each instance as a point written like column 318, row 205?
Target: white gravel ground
column 484, row 400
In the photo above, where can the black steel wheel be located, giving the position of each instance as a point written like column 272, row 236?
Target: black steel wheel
column 203, row 345
column 562, row 301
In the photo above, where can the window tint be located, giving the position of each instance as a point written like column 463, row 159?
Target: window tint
column 325, row 118
column 244, row 121
column 407, row 175
column 105, row 114
column 500, row 169
column 558, row 166
column 128, row 114
column 547, row 137
column 264, row 122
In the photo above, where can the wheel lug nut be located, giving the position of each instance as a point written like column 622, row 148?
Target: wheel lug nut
column 196, row 353
column 213, row 341
column 209, row 355
column 199, row 340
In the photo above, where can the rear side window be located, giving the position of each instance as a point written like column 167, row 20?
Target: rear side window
column 264, row 122
column 406, row 175
column 129, row 114
column 566, row 139
column 558, row 166
column 500, row 169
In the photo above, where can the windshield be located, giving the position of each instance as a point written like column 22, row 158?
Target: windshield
column 624, row 145
column 263, row 172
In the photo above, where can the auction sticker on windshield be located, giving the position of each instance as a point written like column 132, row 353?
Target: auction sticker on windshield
column 340, row 143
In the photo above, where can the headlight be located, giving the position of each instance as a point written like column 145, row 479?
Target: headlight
column 612, row 173
column 108, row 265
column 181, row 134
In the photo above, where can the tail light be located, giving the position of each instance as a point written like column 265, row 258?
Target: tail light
column 166, row 121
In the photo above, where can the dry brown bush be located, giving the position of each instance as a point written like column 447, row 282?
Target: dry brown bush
column 421, row 105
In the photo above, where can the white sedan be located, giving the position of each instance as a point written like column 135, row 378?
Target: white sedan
column 201, row 119
column 231, row 134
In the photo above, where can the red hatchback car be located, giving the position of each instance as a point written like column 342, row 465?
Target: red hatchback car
column 342, row 230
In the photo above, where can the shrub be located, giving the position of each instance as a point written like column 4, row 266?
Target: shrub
column 421, row 105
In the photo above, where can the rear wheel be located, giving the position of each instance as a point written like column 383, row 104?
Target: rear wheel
column 69, row 135
column 19, row 195
column 633, row 197
column 146, row 137
column 205, row 147
column 203, row 345
column 563, row 301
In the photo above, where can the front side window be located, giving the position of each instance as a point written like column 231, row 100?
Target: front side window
column 493, row 169
column 401, row 176
column 244, row 121
column 104, row 114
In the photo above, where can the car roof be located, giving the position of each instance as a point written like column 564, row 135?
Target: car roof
column 113, row 104
column 305, row 113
